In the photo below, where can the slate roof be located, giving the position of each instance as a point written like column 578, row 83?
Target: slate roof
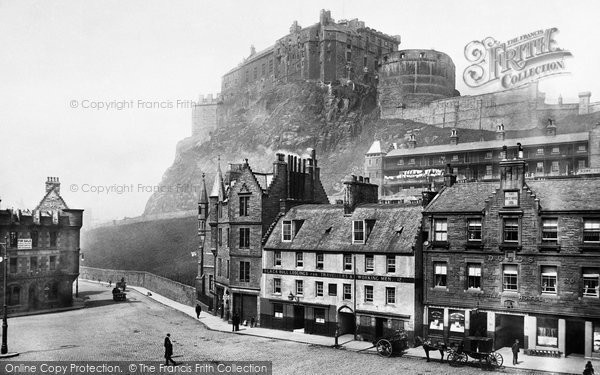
column 264, row 179
column 567, row 194
column 463, row 197
column 495, row 144
column 375, row 148
column 326, row 228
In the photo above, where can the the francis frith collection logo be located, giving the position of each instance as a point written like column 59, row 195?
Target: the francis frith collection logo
column 514, row 63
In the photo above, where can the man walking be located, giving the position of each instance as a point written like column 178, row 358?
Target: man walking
column 198, row 310
column 515, row 350
column 169, row 350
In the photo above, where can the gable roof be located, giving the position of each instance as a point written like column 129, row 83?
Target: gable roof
column 326, row 228
column 465, row 197
column 573, row 194
column 52, row 201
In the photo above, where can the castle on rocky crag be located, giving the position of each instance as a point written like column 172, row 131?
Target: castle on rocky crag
column 414, row 84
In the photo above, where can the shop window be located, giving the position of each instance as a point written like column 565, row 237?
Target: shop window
column 547, row 332
column 244, row 206
column 368, row 293
column 457, row 321
column 299, row 259
column 591, row 283
column 436, row 320
column 319, row 288
column 548, row 280
column 320, row 316
column 397, row 324
column 287, row 231
column 299, row 287
column 358, row 231
column 277, row 258
column 244, row 238
column 474, row 276
column 549, row 231
column 474, row 229
column 278, row 310
column 511, row 230
column 596, row 339
column 390, row 263
column 591, row 230
column 440, row 230
column 244, row 272
column 440, row 271
column 390, row 295
column 369, row 263
column 332, row 289
column 347, row 291
column 365, row 320
column 510, row 275
column 347, row 262
column 320, row 260
column 277, row 286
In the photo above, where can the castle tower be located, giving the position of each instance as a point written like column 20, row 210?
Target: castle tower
column 204, row 115
column 374, row 165
column 584, row 102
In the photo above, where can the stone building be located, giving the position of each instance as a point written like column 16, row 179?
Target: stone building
column 204, row 115
column 242, row 207
column 403, row 172
column 515, row 259
column 43, row 252
column 350, row 267
column 327, row 51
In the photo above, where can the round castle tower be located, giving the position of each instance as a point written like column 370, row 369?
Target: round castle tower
column 415, row 76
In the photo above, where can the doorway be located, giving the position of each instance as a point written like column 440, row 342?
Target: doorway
column 508, row 329
column 298, row 317
column 379, row 324
column 574, row 337
column 478, row 325
column 33, row 297
column 347, row 323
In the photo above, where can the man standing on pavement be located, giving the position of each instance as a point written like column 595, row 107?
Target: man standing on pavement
column 515, row 350
column 169, row 350
column 198, row 310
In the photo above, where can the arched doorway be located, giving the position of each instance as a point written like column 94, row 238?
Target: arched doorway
column 346, row 320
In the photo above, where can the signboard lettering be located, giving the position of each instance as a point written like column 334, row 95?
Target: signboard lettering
column 334, row 275
column 24, row 244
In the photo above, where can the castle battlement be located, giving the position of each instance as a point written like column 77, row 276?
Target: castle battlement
column 209, row 99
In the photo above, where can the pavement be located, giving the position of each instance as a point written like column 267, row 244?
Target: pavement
column 528, row 364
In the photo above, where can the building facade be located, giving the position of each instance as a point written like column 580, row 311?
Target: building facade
column 242, row 206
column 406, row 171
column 343, row 269
column 43, row 252
column 515, row 259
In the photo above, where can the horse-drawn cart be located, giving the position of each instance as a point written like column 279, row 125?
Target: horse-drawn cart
column 396, row 343
column 479, row 348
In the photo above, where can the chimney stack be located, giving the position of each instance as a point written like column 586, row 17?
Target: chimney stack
column 500, row 135
column 412, row 141
column 449, row 177
column 453, row 137
column 358, row 191
column 550, row 128
column 53, row 183
column 512, row 172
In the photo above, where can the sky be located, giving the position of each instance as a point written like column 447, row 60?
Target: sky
column 144, row 61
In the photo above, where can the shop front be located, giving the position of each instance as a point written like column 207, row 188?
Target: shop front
column 294, row 316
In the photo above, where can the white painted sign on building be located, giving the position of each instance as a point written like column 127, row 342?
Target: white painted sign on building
column 24, row 244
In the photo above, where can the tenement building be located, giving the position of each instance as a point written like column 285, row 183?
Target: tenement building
column 515, row 259
column 43, row 252
column 242, row 207
column 348, row 267
column 404, row 171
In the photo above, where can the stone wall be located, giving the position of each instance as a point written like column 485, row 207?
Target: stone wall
column 171, row 289
column 204, row 116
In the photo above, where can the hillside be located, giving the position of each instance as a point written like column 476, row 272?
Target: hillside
column 162, row 247
column 340, row 123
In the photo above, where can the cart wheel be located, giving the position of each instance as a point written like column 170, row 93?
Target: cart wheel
column 495, row 359
column 384, row 348
column 464, row 358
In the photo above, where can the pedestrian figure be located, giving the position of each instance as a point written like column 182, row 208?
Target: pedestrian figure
column 252, row 322
column 198, row 310
column 109, row 283
column 515, row 350
column 169, row 351
column 235, row 320
column 589, row 369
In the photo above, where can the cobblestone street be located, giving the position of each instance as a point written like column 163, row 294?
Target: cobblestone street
column 134, row 330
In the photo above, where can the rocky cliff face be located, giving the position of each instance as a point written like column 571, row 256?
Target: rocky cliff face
column 339, row 122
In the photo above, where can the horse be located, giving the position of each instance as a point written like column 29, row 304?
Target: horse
column 429, row 345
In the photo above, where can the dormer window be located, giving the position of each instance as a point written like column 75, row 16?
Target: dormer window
column 358, row 231
column 289, row 229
